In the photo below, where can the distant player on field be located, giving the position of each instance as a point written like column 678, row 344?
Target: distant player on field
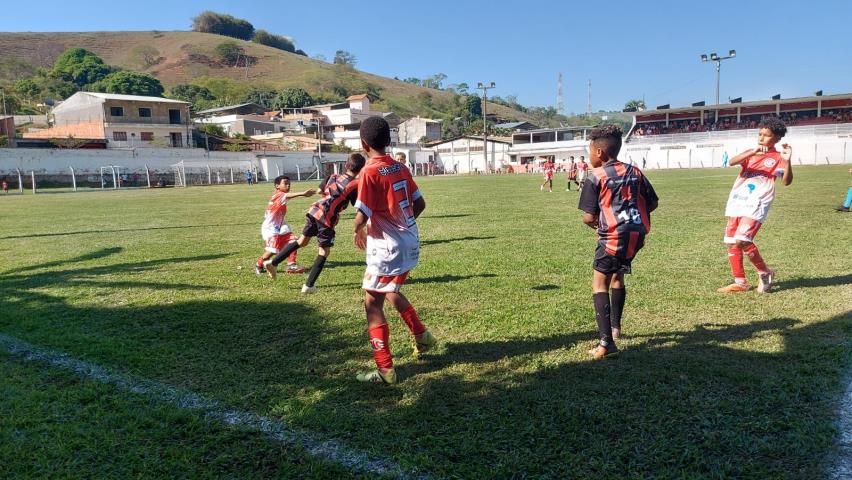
column 274, row 230
column 617, row 200
column 750, row 199
column 582, row 171
column 844, row 208
column 388, row 205
column 338, row 192
column 548, row 176
column 572, row 174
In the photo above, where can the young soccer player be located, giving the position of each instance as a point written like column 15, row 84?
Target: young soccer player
column 388, row 205
column 548, row 176
column 582, row 171
column 274, row 230
column 750, row 199
column 572, row 173
column 338, row 192
column 617, row 200
column 847, row 204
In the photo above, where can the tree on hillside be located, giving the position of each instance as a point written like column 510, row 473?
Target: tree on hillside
column 463, row 88
column 197, row 96
column 301, row 52
column 129, row 83
column 635, row 104
column 146, row 55
column 473, row 106
column 275, row 41
column 434, row 81
column 342, row 57
column 222, row 24
column 81, row 67
column 293, row 98
column 229, row 52
column 264, row 97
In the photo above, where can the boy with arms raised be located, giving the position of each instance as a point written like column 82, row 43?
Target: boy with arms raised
column 388, row 205
column 338, row 192
column 274, row 230
column 750, row 199
column 617, row 200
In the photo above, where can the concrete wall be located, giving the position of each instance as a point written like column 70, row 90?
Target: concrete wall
column 465, row 155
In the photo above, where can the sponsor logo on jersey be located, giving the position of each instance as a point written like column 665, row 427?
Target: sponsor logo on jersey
column 390, row 169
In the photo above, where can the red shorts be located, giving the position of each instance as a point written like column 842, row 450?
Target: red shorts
column 274, row 243
column 741, row 228
column 383, row 283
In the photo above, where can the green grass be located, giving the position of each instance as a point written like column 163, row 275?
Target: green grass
column 158, row 284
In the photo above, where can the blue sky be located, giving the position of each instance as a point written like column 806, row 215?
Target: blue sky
column 627, row 49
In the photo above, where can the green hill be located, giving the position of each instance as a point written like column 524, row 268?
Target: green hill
column 189, row 57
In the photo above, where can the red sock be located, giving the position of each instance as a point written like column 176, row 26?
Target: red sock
column 735, row 256
column 409, row 316
column 380, row 341
column 260, row 262
column 292, row 258
column 754, row 255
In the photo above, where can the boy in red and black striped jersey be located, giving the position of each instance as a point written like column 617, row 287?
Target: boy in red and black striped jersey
column 617, row 200
column 339, row 191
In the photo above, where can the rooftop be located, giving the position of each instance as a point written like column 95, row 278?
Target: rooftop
column 131, row 98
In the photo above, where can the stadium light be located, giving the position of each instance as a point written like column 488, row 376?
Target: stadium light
column 485, row 89
column 716, row 58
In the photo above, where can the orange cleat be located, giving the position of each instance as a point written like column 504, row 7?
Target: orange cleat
column 733, row 288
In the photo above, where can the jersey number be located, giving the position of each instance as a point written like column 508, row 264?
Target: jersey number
column 400, row 194
column 631, row 215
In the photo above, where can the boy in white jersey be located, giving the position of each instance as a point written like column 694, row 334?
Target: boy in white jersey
column 274, row 230
column 750, row 199
column 388, row 205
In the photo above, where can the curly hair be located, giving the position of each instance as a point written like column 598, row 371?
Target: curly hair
column 774, row 124
column 608, row 137
column 375, row 132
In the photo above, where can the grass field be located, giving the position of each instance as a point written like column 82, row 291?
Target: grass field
column 148, row 284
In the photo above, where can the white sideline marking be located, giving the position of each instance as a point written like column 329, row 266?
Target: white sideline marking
column 841, row 467
column 331, row 450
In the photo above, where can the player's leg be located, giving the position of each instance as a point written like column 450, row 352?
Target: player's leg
column 272, row 247
column 423, row 338
column 317, row 267
column 847, row 204
column 379, row 333
column 735, row 258
column 600, row 297
column 618, row 293
column 745, row 240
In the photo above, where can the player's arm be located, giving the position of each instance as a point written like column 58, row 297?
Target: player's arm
column 651, row 199
column 419, row 206
column 787, row 163
column 742, row 157
column 307, row 193
column 360, row 233
column 589, row 202
column 322, row 184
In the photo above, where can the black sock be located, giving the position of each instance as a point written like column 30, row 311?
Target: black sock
column 602, row 316
column 316, row 269
column 285, row 252
column 618, row 297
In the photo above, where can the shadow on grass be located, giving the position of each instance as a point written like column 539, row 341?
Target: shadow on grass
column 449, row 278
column 794, row 283
column 545, row 287
column 449, row 215
column 745, row 400
column 86, row 232
column 451, row 240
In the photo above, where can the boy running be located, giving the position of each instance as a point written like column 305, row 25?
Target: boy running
column 274, row 230
column 750, row 199
column 548, row 176
column 338, row 192
column 617, row 200
column 388, row 205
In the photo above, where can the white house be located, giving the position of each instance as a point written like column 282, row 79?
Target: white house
column 414, row 129
column 466, row 154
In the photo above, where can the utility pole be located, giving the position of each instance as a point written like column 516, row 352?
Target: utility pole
column 3, row 92
column 485, row 89
column 560, row 105
column 589, row 105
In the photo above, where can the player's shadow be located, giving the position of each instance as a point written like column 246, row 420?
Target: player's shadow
column 449, row 278
column 102, row 253
column 545, row 287
column 814, row 282
column 449, row 215
column 118, row 230
column 344, row 263
column 451, row 240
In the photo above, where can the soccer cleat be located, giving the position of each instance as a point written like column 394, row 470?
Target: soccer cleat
column 765, row 282
column 733, row 288
column 271, row 269
column 376, row 376
column 602, row 351
column 842, row 209
column 424, row 342
column 309, row 290
column 259, row 271
column 295, row 268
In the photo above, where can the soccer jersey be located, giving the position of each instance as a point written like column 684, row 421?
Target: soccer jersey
column 273, row 221
column 754, row 188
column 548, row 171
column 386, row 195
column 622, row 198
column 338, row 191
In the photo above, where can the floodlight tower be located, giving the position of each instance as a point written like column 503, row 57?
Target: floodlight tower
column 718, row 60
column 560, row 104
column 485, row 89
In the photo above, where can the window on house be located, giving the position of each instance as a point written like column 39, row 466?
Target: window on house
column 116, row 111
column 147, row 136
column 119, row 136
column 145, row 112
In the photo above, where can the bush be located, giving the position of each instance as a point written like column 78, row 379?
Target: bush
column 293, row 98
column 275, row 41
column 222, row 24
column 229, row 52
column 213, row 130
column 129, row 83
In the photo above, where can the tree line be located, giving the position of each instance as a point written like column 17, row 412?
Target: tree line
column 230, row 26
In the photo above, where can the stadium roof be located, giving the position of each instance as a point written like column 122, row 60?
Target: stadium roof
column 782, row 101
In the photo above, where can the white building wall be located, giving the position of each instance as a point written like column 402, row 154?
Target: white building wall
column 465, row 155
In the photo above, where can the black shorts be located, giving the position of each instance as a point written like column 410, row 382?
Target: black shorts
column 606, row 263
column 315, row 228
